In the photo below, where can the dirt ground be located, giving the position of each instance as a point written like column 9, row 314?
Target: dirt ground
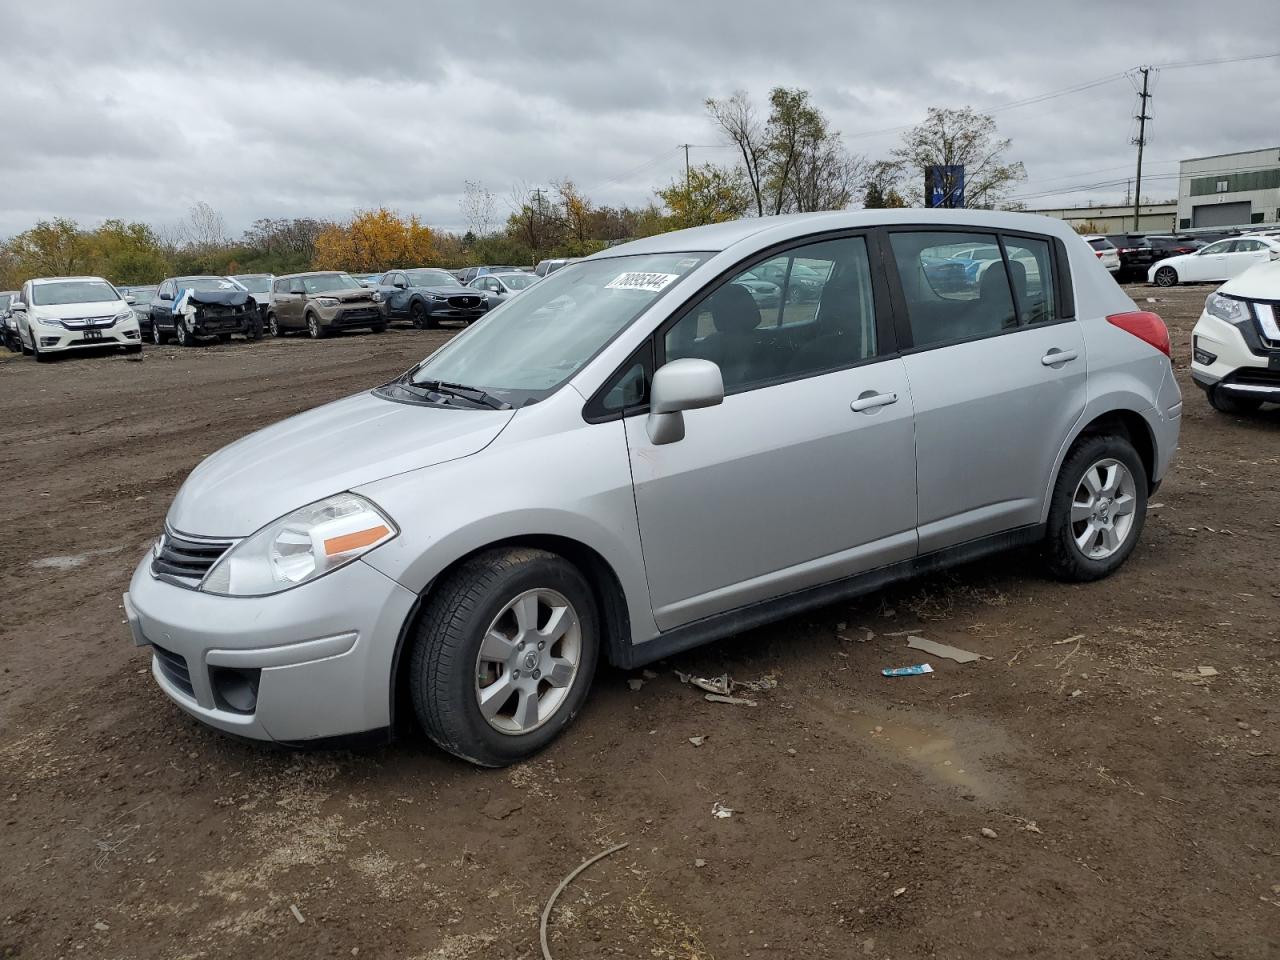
column 1083, row 793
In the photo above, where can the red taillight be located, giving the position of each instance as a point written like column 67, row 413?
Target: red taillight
column 1099, row 253
column 1144, row 325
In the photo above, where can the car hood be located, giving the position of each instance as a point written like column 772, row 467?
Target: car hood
column 1260, row 282
column 1171, row 261
column 449, row 291
column 257, row 479
column 78, row 311
column 346, row 296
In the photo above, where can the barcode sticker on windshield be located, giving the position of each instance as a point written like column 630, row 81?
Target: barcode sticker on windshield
column 649, row 282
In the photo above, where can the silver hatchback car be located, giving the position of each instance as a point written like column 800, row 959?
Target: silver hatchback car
column 636, row 456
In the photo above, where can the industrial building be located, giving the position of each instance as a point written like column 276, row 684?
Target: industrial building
column 1116, row 218
column 1229, row 190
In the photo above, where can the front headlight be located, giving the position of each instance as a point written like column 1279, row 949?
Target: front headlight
column 1225, row 308
column 123, row 315
column 49, row 321
column 306, row 544
column 377, row 297
column 327, row 301
column 439, row 299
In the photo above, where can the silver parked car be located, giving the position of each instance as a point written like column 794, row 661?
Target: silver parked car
column 640, row 458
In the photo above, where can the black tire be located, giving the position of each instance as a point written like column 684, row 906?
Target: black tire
column 420, row 317
column 378, row 328
column 23, row 348
column 158, row 336
column 446, row 646
column 1225, row 403
column 224, row 338
column 182, row 335
column 314, row 329
column 1166, row 277
column 35, row 352
column 273, row 325
column 1065, row 560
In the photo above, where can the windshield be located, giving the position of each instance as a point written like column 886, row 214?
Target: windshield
column 254, row 284
column 430, row 278
column 206, row 284
column 143, row 295
column 518, row 281
column 5, row 299
column 72, row 291
column 330, row 281
column 533, row 343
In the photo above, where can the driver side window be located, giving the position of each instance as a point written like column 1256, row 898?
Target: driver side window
column 805, row 311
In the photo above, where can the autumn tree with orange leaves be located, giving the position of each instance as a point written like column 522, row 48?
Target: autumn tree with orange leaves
column 375, row 240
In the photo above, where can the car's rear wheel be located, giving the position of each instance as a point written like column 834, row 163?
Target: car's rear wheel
column 1166, row 277
column 504, row 654
column 314, row 330
column 1099, row 506
column 1225, row 403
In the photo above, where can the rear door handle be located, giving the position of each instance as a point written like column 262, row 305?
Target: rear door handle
column 869, row 401
column 1056, row 356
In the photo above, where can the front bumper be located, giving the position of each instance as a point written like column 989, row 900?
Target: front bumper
column 321, row 654
column 358, row 315
column 56, row 339
column 446, row 311
column 1242, row 364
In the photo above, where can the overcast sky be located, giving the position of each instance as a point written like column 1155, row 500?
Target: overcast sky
column 137, row 109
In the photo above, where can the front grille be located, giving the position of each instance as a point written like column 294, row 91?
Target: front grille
column 1255, row 376
column 465, row 303
column 86, row 322
column 185, row 560
column 174, row 668
column 359, row 313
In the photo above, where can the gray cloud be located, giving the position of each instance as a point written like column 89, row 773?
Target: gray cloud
column 313, row 108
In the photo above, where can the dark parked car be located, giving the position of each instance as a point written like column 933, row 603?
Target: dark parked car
column 1171, row 246
column 142, row 297
column 323, row 303
column 1136, row 255
column 259, row 287
column 192, row 310
column 425, row 296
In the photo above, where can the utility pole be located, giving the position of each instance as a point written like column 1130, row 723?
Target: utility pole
column 687, row 186
column 1141, row 141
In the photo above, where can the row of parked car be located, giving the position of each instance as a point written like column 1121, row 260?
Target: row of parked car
column 53, row 315
column 1167, row 259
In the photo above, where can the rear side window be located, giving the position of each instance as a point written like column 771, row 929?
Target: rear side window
column 1101, row 244
column 1030, row 268
column 950, row 293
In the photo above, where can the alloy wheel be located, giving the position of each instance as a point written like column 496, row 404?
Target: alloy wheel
column 528, row 661
column 273, row 325
column 1166, row 277
column 313, row 328
column 156, row 336
column 1102, row 509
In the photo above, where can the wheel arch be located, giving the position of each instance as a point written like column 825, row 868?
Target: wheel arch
column 606, row 589
column 1124, row 421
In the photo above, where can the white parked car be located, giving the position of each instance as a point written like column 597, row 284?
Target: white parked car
column 1217, row 262
column 1235, row 357
column 60, row 314
column 1105, row 251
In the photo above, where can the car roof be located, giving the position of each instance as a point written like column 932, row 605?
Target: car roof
column 61, row 279
column 717, row 237
column 310, row 273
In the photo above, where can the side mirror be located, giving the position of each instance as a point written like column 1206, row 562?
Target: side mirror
column 166, row 295
column 680, row 385
column 400, row 285
column 17, row 306
column 130, row 299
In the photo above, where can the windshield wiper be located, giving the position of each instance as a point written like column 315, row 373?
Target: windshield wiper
column 474, row 394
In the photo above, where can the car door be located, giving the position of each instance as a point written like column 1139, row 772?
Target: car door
column 1245, row 253
column 1211, row 263
column 295, row 300
column 162, row 307
column 805, row 474
column 997, row 377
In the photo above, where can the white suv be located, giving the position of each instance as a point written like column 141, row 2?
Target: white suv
column 1105, row 251
column 1235, row 357
column 57, row 314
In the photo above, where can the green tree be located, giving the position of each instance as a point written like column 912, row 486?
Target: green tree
column 711, row 194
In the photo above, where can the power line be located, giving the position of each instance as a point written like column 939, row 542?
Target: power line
column 1182, row 64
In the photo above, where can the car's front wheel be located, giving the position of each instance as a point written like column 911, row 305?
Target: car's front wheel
column 184, row 336
column 273, row 325
column 314, row 330
column 420, row 317
column 1098, row 508
column 1166, row 277
column 1224, row 403
column 504, row 654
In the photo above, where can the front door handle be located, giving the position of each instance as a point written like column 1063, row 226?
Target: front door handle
column 1056, row 356
column 870, row 400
